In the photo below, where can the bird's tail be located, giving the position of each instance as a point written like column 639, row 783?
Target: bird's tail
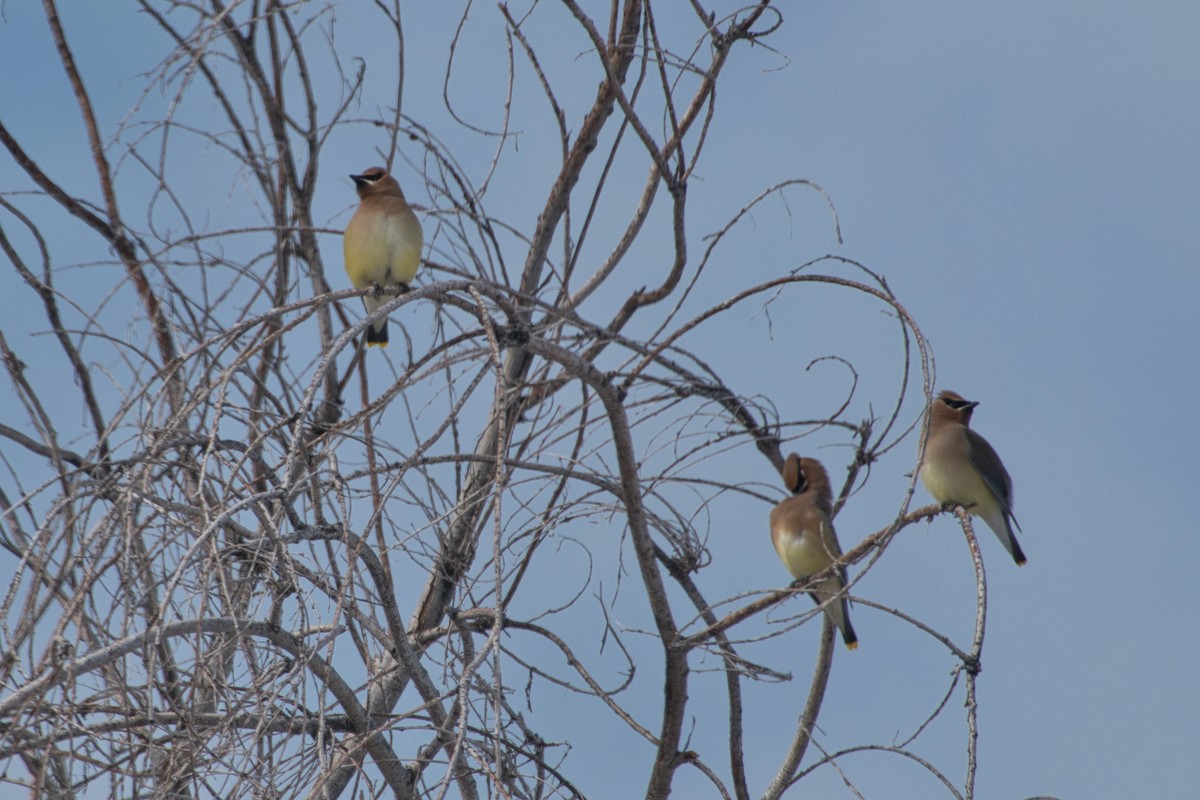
column 377, row 334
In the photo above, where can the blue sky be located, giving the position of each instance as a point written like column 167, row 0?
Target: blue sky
column 1027, row 177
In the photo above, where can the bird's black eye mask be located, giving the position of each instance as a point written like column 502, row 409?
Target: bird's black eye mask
column 367, row 177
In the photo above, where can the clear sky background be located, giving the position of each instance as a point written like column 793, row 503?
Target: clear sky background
column 1027, row 177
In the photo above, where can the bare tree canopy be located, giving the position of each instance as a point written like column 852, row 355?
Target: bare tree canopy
column 249, row 558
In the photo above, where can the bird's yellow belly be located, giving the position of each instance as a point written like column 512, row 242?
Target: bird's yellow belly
column 802, row 557
column 961, row 486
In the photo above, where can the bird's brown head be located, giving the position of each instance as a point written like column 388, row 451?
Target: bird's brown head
column 950, row 406
column 375, row 180
column 802, row 475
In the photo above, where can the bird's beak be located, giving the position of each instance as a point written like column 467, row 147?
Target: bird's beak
column 970, row 405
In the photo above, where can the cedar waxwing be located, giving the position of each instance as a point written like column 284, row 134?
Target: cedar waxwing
column 382, row 243
column 805, row 541
column 962, row 468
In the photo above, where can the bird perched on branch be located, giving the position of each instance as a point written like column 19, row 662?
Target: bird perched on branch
column 804, row 538
column 962, row 468
column 382, row 244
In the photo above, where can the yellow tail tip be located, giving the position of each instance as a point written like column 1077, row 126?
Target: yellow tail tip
column 852, row 645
